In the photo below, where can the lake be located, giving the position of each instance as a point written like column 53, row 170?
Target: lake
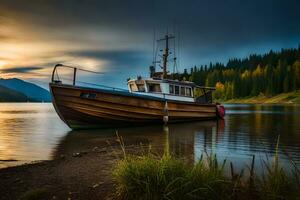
column 33, row 132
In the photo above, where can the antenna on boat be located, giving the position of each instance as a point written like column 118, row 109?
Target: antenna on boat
column 153, row 48
column 152, row 67
column 178, row 49
column 166, row 53
column 175, row 56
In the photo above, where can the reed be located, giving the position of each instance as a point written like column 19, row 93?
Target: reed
column 152, row 177
column 165, row 177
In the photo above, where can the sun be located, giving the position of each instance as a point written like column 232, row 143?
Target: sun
column 2, row 63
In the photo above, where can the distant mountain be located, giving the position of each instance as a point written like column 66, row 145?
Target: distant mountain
column 31, row 91
column 9, row 95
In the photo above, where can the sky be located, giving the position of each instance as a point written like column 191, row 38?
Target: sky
column 116, row 36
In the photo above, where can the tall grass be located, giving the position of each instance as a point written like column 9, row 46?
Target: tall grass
column 153, row 177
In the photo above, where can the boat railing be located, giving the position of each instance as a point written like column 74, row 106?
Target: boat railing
column 56, row 79
column 205, row 87
column 206, row 96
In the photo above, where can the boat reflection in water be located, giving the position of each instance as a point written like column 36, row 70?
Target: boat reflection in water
column 249, row 130
column 183, row 140
column 179, row 140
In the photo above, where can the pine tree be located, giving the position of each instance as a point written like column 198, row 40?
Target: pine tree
column 270, row 74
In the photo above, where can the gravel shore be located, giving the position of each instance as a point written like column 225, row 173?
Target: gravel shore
column 80, row 175
column 80, row 167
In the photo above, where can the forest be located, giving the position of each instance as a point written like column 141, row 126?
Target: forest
column 268, row 74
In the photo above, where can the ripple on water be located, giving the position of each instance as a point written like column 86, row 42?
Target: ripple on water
column 32, row 132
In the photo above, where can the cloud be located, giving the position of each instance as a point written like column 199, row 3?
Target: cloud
column 117, row 34
column 20, row 70
column 204, row 23
column 115, row 56
column 4, row 37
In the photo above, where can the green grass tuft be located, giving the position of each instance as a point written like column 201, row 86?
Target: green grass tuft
column 166, row 177
column 152, row 177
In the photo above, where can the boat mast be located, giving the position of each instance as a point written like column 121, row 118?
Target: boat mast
column 166, row 54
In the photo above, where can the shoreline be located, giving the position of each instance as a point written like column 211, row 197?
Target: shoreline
column 81, row 175
column 289, row 98
column 80, row 170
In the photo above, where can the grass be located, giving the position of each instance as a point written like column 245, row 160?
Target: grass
column 153, row 177
column 149, row 177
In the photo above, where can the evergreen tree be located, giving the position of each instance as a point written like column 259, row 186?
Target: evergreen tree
column 268, row 74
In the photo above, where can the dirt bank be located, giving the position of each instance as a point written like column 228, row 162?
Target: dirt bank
column 81, row 175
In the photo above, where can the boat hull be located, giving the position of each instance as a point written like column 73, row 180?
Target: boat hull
column 81, row 107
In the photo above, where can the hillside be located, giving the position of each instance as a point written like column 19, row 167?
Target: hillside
column 8, row 95
column 30, row 90
column 266, row 75
column 290, row 98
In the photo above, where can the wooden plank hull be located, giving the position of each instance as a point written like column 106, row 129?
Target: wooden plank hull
column 81, row 107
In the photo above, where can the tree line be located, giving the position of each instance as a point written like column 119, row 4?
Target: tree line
column 268, row 74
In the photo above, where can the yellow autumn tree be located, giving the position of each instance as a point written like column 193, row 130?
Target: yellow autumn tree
column 219, row 93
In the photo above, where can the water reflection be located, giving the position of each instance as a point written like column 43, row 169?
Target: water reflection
column 187, row 140
column 28, row 131
column 34, row 132
column 177, row 139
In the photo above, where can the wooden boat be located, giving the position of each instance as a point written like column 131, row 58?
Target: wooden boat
column 154, row 100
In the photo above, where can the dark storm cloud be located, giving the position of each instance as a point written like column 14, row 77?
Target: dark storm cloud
column 20, row 70
column 214, row 20
column 209, row 29
column 119, row 57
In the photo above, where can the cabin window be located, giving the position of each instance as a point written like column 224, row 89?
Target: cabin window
column 132, row 88
column 141, row 87
column 182, row 91
column 188, row 92
column 171, row 89
column 177, row 89
column 153, row 87
column 88, row 95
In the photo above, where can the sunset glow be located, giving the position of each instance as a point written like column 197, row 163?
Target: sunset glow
column 202, row 96
column 35, row 37
column 2, row 63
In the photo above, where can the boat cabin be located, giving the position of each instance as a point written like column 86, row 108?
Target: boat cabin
column 171, row 89
column 160, row 85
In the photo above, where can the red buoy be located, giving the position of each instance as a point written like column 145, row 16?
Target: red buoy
column 220, row 111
